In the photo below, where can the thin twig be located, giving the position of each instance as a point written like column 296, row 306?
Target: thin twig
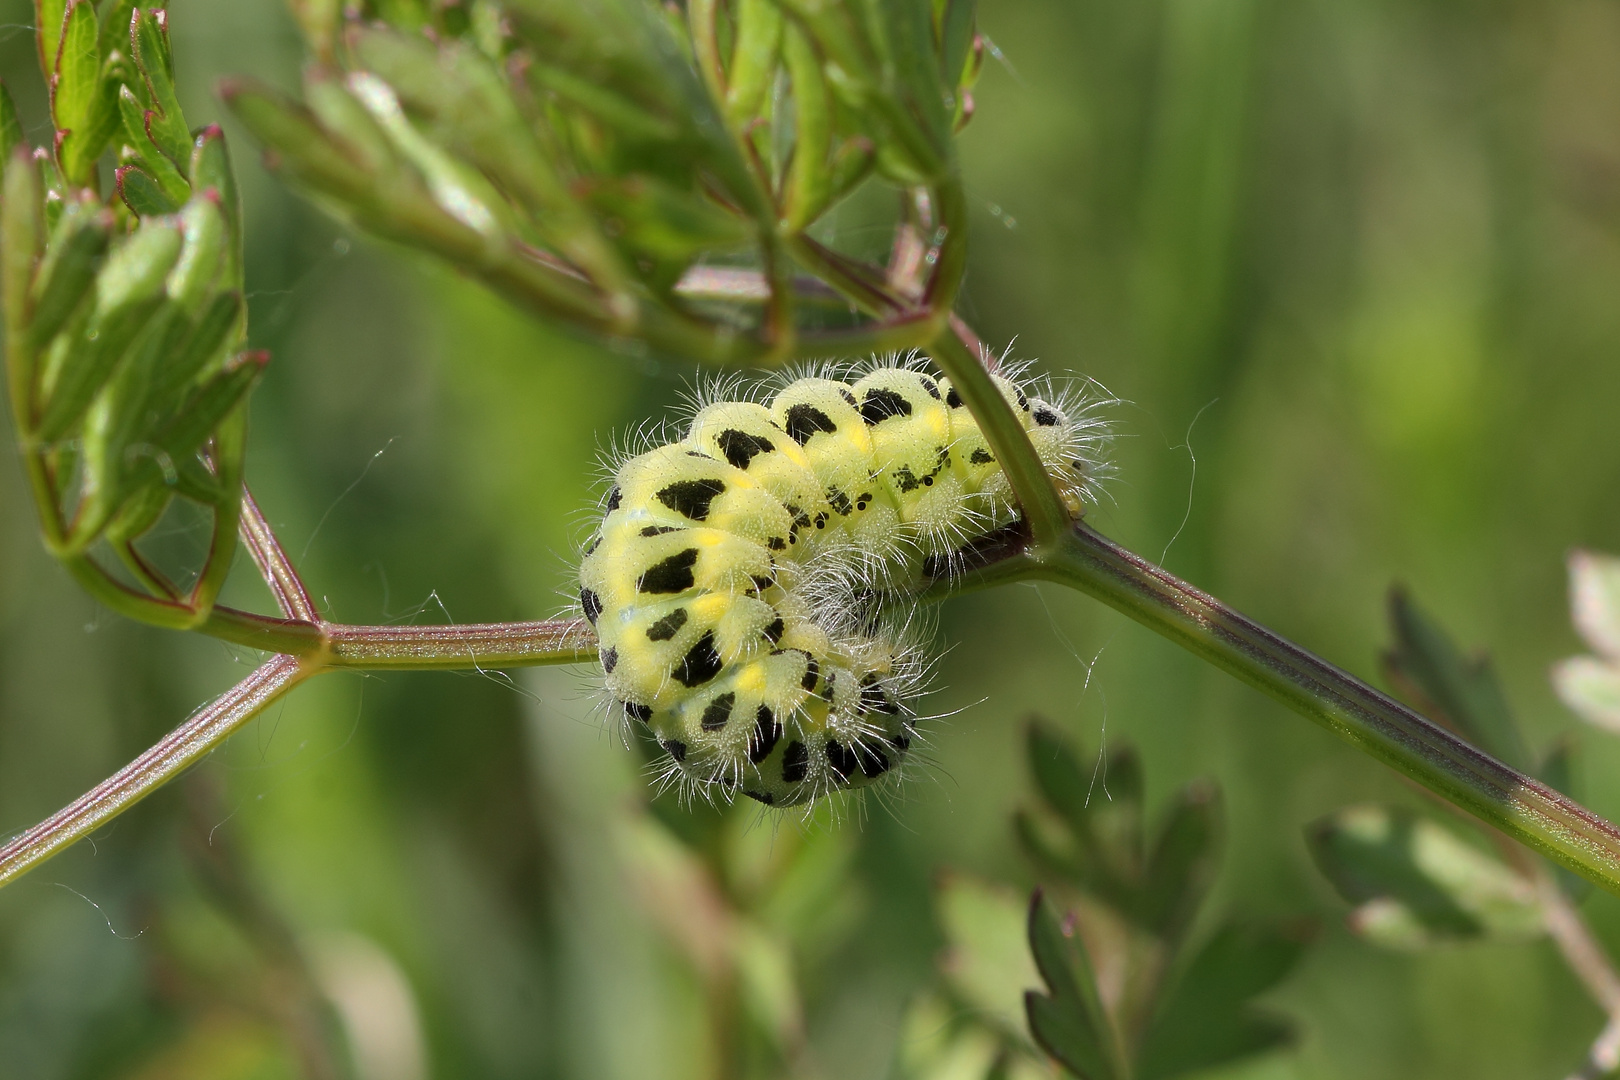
column 179, row 749
column 274, row 565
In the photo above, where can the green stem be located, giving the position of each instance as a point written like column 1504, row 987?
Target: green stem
column 1048, row 518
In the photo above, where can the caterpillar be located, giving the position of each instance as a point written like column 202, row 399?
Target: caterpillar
column 753, row 583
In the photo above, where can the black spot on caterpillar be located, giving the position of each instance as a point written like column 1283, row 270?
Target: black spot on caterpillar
column 692, row 498
column 804, row 421
column 718, row 713
column 667, row 627
column 610, row 660
column 700, row 665
column 591, row 603
column 881, row 405
column 795, row 762
column 671, row 575
column 741, row 448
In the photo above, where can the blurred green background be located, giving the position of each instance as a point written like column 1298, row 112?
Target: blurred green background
column 1372, row 249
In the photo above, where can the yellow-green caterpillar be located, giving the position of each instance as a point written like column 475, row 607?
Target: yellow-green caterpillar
column 752, row 584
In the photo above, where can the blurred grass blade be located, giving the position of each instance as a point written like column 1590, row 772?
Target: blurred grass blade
column 809, row 184
column 1206, row 1020
column 1068, row 1021
column 1417, row 883
column 1464, row 691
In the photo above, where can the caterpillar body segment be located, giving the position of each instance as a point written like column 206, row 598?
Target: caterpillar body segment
column 752, row 584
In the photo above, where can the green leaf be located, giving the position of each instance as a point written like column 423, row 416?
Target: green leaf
column 1183, row 862
column 1464, row 691
column 11, row 132
column 473, row 114
column 128, row 290
column 197, row 271
column 461, row 192
column 68, row 269
column 664, row 225
column 22, row 237
column 1594, row 600
column 211, row 171
column 1206, row 1020
column 116, row 27
column 138, row 125
column 1068, row 1021
column 141, row 193
column 1062, row 782
column 76, row 84
column 753, row 59
column 49, row 17
column 809, row 186
column 987, row 961
column 164, row 123
column 1591, row 688
column 1419, row 884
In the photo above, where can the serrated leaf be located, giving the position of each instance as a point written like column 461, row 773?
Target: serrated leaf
column 1206, row 1019
column 136, row 121
column 1068, row 1021
column 987, row 961
column 141, row 193
column 1594, row 600
column 1465, row 691
column 165, row 124
column 1419, row 884
column 1591, row 688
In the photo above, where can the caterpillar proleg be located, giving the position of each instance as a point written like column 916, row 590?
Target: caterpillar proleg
column 753, row 583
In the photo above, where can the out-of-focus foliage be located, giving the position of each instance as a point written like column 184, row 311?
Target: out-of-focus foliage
column 1128, row 992
column 1381, row 239
column 1591, row 684
column 582, row 156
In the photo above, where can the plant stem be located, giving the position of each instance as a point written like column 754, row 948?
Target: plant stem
column 1048, row 519
column 178, row 750
column 274, row 566
column 1519, row 805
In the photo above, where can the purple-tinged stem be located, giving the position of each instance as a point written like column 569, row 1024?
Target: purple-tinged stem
column 179, row 750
